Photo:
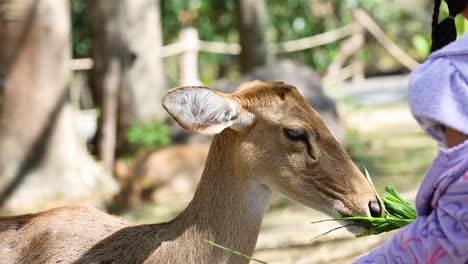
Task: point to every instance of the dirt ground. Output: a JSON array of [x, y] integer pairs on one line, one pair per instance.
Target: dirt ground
[[286, 237]]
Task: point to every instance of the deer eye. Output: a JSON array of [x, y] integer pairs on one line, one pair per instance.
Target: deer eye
[[295, 134]]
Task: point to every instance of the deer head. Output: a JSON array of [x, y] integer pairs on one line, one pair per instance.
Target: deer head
[[282, 142]]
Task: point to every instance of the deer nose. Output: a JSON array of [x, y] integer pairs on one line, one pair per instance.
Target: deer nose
[[375, 209]]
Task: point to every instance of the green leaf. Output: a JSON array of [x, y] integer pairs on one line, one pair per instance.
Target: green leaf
[[211, 243]]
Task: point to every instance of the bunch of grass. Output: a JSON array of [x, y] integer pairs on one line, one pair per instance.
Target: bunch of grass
[[398, 213]]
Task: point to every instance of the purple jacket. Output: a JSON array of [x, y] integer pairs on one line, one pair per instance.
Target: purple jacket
[[438, 96], [440, 233], [438, 90]]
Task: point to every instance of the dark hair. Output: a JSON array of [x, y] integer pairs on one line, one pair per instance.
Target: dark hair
[[446, 31]]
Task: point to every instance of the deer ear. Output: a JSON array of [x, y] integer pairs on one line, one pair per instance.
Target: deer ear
[[202, 110]]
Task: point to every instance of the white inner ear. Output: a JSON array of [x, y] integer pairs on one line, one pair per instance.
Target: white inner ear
[[245, 119], [199, 109]]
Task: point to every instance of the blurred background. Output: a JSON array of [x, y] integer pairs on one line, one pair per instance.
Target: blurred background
[[81, 83]]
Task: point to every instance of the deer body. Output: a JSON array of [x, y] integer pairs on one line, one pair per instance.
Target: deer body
[[255, 155], [87, 235]]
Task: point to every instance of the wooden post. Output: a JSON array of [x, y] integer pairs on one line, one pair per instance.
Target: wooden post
[[111, 87], [189, 59], [144, 81], [107, 71]]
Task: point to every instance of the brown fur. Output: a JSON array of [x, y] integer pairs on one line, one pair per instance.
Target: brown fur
[[242, 169], [152, 173]]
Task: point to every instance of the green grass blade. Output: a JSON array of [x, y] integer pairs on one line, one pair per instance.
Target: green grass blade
[[329, 231], [399, 205], [327, 220], [379, 199], [391, 190], [211, 243], [400, 222]]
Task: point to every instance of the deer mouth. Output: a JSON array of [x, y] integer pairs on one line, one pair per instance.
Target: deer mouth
[[350, 225], [353, 227]]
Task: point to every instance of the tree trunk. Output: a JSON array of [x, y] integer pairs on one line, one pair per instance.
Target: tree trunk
[[128, 31], [106, 81], [252, 21], [144, 77], [43, 163]]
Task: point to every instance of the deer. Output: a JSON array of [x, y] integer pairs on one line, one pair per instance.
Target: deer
[[267, 138], [166, 174]]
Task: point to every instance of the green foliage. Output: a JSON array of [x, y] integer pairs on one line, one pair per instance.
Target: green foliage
[[422, 45], [358, 149], [293, 19], [148, 136], [299, 18], [81, 39], [215, 21], [462, 25]]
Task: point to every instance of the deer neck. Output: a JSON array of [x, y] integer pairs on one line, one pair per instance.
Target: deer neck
[[229, 204]]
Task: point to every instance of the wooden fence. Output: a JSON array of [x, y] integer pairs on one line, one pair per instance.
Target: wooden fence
[[353, 36]]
